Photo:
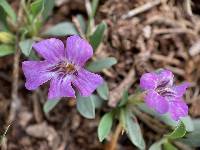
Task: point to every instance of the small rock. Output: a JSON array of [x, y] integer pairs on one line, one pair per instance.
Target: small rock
[[24, 118], [45, 131]]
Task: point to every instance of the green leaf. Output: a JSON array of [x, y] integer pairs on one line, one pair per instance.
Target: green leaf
[[122, 117], [169, 146], [8, 9], [97, 101], [192, 138], [105, 126], [167, 119], [94, 7], [99, 65], [37, 7], [97, 37], [188, 123], [49, 105], [133, 130], [7, 37], [178, 132], [164, 118], [156, 145], [26, 46], [82, 23], [48, 8], [6, 50], [103, 91], [86, 106], [124, 99], [91, 8], [3, 22], [61, 29]]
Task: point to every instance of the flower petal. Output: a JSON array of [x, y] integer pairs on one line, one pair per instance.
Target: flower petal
[[178, 108], [157, 102], [86, 82], [165, 78], [51, 49], [148, 81], [36, 73], [181, 89], [60, 86], [78, 50]]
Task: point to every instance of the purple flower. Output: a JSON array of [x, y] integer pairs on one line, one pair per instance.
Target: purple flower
[[162, 95], [63, 66]]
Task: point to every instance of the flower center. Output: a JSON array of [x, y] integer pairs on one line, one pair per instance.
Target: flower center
[[64, 68], [165, 91], [67, 68]]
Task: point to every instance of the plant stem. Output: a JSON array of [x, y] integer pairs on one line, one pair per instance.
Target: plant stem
[[136, 99], [115, 137], [16, 102]]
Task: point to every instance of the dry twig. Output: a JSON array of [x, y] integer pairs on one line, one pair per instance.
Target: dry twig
[[182, 146], [117, 93], [37, 108], [142, 9], [168, 59], [15, 103], [113, 143], [155, 125], [174, 31], [176, 70]]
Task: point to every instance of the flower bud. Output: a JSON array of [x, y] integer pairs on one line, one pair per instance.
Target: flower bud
[[6, 37]]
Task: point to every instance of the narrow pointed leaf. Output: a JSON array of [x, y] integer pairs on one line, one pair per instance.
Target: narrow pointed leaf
[[26, 46], [36, 7], [49, 105], [94, 7], [124, 99], [97, 37], [187, 121], [105, 126], [98, 101], [82, 23], [6, 50], [48, 8], [169, 146], [61, 29], [103, 91], [3, 21], [99, 65], [157, 145], [8, 9], [122, 117], [192, 138], [167, 119], [86, 106], [133, 130], [178, 132]]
